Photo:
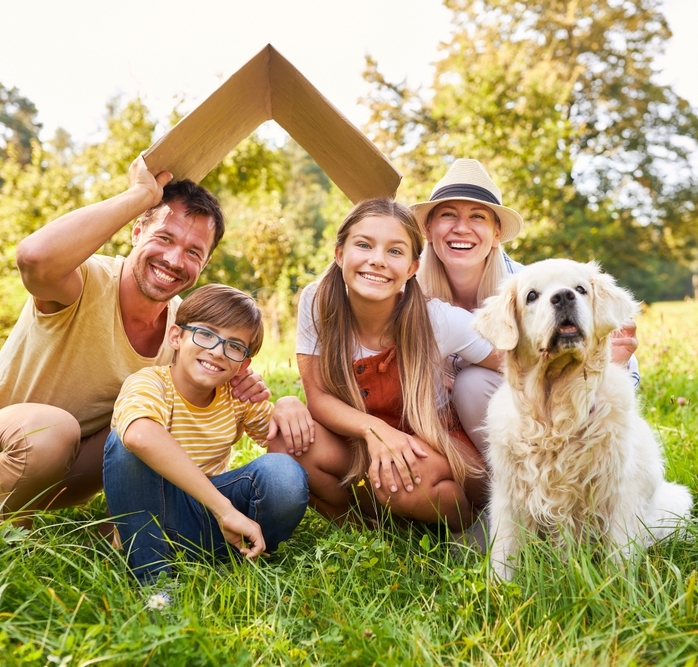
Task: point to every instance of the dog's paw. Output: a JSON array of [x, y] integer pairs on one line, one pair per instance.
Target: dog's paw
[[502, 566]]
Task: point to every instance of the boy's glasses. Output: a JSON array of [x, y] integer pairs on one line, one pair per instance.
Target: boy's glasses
[[208, 340]]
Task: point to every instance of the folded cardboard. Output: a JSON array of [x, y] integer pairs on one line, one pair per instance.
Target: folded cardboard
[[269, 87]]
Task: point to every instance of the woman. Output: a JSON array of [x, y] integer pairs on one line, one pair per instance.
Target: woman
[[465, 224], [370, 353]]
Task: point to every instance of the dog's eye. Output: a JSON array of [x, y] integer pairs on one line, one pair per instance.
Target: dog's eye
[[580, 289], [531, 296]]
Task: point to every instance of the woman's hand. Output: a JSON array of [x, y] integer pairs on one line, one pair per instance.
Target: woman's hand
[[387, 447], [243, 533], [292, 420], [624, 342]]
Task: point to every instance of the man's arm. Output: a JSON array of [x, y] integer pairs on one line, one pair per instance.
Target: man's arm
[[49, 259]]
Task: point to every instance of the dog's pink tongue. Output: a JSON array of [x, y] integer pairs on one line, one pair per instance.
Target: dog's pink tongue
[[568, 328]]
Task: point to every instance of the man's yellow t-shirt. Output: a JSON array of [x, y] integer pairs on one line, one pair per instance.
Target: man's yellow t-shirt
[[77, 358]]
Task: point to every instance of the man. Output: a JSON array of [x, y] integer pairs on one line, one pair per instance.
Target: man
[[91, 322]]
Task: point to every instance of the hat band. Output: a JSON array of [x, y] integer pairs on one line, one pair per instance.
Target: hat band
[[465, 190]]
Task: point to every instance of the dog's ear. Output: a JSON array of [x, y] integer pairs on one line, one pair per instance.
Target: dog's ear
[[612, 304], [496, 320]]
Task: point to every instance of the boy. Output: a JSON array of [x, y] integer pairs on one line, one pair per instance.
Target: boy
[[166, 459]]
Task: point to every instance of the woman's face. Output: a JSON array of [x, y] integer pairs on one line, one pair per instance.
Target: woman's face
[[376, 258], [463, 233]]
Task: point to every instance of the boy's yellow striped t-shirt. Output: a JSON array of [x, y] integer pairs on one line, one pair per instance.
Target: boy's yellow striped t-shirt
[[206, 434]]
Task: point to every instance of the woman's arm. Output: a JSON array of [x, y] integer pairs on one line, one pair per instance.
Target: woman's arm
[[493, 361], [454, 334], [156, 447], [386, 446]]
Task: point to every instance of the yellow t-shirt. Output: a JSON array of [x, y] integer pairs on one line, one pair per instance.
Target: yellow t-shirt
[[206, 434], [77, 358]]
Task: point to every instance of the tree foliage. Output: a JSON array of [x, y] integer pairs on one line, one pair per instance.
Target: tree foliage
[[34, 193], [277, 203], [558, 99], [18, 124]]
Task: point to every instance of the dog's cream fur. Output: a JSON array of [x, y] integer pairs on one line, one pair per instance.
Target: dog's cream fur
[[570, 455]]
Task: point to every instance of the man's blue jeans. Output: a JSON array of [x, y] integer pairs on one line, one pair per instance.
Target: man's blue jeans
[[153, 515]]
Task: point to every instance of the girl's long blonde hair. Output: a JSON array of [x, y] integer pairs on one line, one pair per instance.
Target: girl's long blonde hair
[[410, 329]]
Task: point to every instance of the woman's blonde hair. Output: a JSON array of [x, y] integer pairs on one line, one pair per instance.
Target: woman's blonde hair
[[409, 328], [434, 281]]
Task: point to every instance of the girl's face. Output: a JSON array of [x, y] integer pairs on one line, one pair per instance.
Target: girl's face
[[376, 259], [463, 233]]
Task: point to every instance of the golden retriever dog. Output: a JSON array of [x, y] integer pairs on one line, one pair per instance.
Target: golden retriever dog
[[570, 455]]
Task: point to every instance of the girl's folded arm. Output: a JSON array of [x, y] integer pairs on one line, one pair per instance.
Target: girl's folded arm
[[386, 445]]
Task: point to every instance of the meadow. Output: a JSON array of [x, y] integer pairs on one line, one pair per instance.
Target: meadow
[[361, 595]]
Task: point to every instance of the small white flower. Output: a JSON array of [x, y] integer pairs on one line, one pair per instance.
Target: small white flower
[[158, 601]]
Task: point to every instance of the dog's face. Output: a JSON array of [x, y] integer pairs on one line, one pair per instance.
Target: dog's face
[[553, 307]]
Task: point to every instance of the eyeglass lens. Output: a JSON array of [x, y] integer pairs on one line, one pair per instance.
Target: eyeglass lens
[[208, 340]]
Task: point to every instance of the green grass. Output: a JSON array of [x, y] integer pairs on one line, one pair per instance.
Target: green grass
[[362, 596]]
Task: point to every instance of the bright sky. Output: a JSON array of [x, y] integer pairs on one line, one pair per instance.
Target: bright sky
[[70, 57]]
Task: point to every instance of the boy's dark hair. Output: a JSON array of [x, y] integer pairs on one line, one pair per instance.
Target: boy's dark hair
[[197, 200], [223, 306]]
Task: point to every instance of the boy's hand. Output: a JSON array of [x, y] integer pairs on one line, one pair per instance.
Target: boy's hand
[[293, 422], [243, 533], [249, 386]]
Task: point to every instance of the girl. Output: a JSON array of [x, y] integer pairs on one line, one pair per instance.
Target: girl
[[465, 225], [370, 352]]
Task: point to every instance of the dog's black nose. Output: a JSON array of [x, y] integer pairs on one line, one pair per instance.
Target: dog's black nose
[[562, 298]]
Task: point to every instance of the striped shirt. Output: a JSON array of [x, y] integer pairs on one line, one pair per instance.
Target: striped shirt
[[206, 434]]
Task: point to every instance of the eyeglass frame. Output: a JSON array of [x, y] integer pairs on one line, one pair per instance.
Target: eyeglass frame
[[221, 341]]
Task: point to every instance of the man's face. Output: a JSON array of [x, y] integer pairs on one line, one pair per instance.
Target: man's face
[[170, 253]]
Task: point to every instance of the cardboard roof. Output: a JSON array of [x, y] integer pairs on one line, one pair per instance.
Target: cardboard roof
[[269, 87]]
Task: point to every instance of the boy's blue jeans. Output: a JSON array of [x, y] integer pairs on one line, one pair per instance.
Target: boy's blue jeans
[[152, 514]]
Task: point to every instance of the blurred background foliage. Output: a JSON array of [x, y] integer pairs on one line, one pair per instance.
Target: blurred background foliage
[[556, 98]]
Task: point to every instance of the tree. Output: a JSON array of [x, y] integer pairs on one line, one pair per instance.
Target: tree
[[277, 206], [557, 98], [102, 167], [33, 194], [18, 124]]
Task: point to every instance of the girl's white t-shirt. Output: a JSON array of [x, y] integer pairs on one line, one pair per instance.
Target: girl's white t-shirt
[[452, 327]]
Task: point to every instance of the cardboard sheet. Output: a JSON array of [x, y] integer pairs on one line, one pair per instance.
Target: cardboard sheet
[[269, 87]]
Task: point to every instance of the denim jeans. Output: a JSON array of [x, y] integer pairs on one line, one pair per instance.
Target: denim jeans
[[153, 515]]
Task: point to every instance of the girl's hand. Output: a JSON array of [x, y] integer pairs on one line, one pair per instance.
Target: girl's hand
[[387, 447], [292, 420], [243, 533], [249, 386]]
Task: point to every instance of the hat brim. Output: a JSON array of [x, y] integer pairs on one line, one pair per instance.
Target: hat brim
[[511, 223]]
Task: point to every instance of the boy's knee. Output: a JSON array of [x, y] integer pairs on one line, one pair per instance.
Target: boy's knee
[[284, 477], [119, 461]]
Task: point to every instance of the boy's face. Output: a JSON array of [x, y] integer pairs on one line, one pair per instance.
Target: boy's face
[[198, 371]]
